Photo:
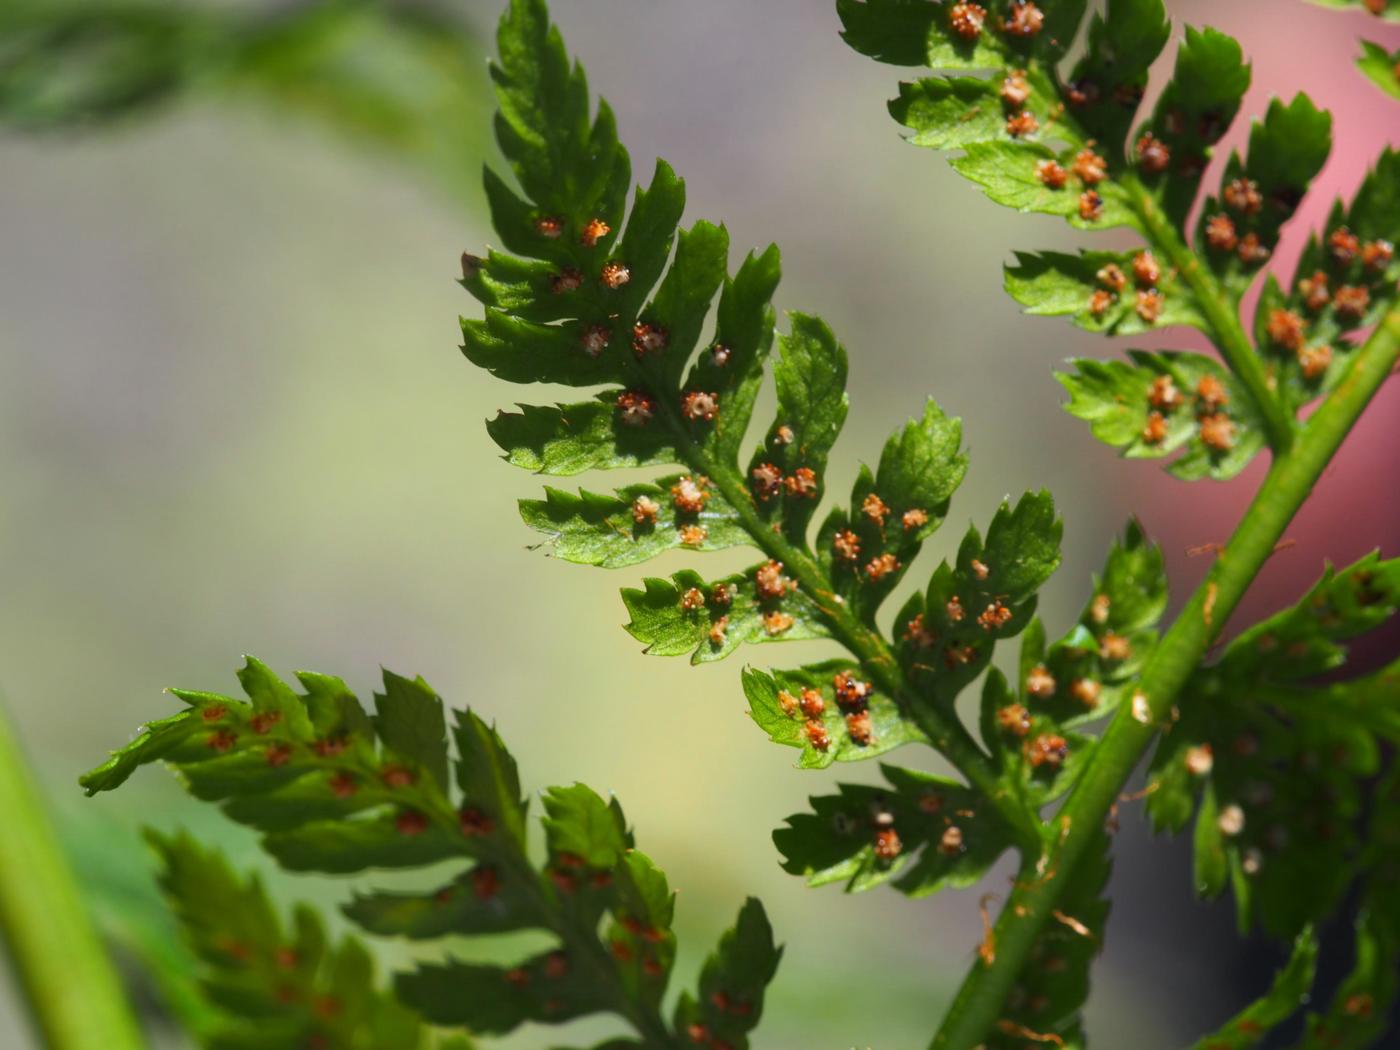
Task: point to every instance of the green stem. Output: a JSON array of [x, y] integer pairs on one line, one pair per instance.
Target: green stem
[[72, 990], [1220, 311], [1290, 481]]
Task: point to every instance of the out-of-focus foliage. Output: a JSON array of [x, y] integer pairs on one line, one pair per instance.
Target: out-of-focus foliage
[[1381, 66], [338, 790], [1288, 992], [402, 76], [1386, 9], [1281, 766], [277, 986]]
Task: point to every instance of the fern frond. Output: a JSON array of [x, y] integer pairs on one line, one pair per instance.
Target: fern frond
[[399, 78], [597, 296], [1040, 135], [1289, 991], [335, 789], [277, 985], [1389, 10], [1359, 1013], [1279, 765], [1381, 67]]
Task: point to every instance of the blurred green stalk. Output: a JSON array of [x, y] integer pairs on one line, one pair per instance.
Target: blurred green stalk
[[74, 995]]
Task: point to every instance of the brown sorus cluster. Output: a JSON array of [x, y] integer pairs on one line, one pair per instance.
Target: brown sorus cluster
[[1211, 394], [1015, 90], [1376, 255], [699, 406], [1155, 430], [1285, 330], [1051, 174], [474, 823], [1218, 433], [874, 508], [1025, 19], [801, 483], [770, 581], [1149, 305], [881, 566], [860, 728], [1021, 124], [775, 622], [1314, 361], [767, 481], [1014, 719], [1091, 168], [718, 630], [955, 656], [595, 339], [1315, 292], [1154, 156], [1242, 197], [1086, 691], [410, 822], [1048, 749], [649, 338], [593, 232], [966, 20], [916, 632], [1146, 271], [887, 844], [1199, 760], [1343, 245], [1112, 277], [850, 690], [1252, 251], [1163, 394], [846, 544], [1220, 233], [994, 617], [1040, 683], [1165, 398], [1217, 429], [690, 494], [853, 695], [566, 280], [615, 274], [1351, 302], [1114, 647]]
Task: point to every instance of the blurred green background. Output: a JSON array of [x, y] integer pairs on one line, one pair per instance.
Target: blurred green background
[[232, 419]]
